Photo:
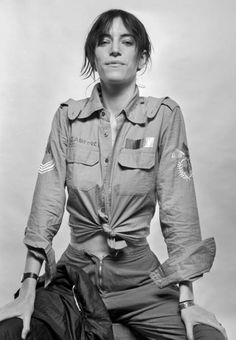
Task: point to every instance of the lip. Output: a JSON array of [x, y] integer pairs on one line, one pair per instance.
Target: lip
[[113, 63]]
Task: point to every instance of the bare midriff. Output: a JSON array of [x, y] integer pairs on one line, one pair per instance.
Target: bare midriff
[[96, 245]]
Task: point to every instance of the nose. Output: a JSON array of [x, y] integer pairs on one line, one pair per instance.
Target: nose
[[115, 54], [115, 49]]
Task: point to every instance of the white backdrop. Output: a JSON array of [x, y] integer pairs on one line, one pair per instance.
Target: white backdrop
[[193, 62]]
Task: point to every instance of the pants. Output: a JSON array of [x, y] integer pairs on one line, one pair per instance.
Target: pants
[[11, 329], [129, 294], [132, 298]]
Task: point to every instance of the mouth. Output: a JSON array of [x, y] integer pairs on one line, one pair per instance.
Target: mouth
[[114, 63]]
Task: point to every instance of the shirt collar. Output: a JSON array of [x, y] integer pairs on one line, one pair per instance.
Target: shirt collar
[[134, 111]]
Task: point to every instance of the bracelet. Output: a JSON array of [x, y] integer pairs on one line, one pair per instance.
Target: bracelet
[[29, 275], [185, 304]]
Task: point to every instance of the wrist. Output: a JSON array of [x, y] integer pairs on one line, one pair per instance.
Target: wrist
[[29, 275], [28, 286], [185, 291], [185, 304], [28, 290]]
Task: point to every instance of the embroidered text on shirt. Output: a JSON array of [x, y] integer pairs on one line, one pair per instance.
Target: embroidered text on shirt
[[74, 140]]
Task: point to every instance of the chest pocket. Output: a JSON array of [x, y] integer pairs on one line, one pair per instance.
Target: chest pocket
[[82, 168], [136, 172]]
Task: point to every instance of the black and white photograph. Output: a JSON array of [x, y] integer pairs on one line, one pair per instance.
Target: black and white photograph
[[118, 186]]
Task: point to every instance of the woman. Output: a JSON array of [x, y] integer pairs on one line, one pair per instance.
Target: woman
[[118, 154]]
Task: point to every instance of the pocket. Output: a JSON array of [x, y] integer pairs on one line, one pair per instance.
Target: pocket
[[83, 170], [136, 170]]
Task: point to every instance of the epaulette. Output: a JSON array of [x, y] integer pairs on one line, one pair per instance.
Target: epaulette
[[63, 105], [170, 103], [74, 107], [153, 105]]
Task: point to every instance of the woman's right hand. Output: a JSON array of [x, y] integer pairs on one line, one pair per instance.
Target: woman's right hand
[[22, 307]]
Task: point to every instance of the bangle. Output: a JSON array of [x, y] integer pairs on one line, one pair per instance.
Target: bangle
[[185, 304], [29, 275]]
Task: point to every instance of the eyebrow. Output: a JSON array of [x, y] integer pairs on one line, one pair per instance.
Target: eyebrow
[[125, 35]]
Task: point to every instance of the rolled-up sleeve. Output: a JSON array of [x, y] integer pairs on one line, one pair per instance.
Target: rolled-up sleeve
[[49, 196], [189, 255]]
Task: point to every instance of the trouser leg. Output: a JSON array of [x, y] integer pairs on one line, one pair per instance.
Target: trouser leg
[[148, 311], [153, 314], [205, 332], [11, 329]]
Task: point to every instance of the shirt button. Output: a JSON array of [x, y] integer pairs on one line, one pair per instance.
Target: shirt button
[[106, 134], [106, 160]]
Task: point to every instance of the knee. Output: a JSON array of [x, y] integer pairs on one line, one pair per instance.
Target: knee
[[206, 332], [10, 329]]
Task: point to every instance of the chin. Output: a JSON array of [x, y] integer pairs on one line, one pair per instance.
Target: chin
[[117, 80]]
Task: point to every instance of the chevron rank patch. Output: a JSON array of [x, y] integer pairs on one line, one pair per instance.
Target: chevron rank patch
[[46, 167]]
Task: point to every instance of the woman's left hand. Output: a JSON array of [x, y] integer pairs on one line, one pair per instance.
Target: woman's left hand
[[194, 315]]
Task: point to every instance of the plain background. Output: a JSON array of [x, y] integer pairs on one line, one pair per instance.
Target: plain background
[[193, 62]]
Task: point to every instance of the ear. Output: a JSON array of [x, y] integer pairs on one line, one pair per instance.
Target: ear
[[142, 60]]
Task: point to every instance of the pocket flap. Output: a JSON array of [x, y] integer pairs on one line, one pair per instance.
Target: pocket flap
[[136, 159], [88, 157]]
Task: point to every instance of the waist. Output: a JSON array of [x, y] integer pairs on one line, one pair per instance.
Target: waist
[[97, 244]]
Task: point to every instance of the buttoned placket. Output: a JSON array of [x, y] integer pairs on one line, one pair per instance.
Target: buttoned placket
[[108, 152], [105, 149]]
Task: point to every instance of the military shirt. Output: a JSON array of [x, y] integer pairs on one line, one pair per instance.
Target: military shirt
[[114, 188]]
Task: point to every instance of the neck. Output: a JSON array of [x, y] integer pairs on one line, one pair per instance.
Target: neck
[[115, 98]]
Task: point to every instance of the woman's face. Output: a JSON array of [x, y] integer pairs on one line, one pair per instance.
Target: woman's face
[[116, 56]]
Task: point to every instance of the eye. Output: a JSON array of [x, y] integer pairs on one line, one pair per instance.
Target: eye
[[128, 42], [103, 41]]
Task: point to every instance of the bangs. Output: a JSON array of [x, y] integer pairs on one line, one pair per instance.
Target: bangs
[[104, 25]]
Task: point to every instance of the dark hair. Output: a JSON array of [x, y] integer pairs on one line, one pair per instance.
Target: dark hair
[[101, 26]]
